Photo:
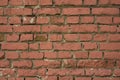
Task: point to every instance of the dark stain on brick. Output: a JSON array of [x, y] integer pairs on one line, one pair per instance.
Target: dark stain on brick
[[1, 37], [41, 38]]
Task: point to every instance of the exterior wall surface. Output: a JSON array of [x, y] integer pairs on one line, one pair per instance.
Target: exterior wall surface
[[59, 39]]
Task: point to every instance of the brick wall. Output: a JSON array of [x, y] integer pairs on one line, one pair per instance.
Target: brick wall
[[59, 39]]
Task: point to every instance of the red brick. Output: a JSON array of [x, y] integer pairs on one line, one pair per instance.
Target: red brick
[[10, 72], [85, 37], [31, 55], [15, 2], [42, 20], [55, 28], [83, 78], [5, 29], [1, 11], [22, 64], [50, 55], [15, 78], [64, 55], [30, 28], [46, 45], [27, 72], [33, 46], [14, 20], [108, 28], [3, 2], [12, 55], [57, 20], [105, 11], [71, 37], [103, 2], [45, 2], [68, 2], [104, 20], [87, 19], [12, 37], [81, 55], [75, 72], [26, 37], [30, 2], [18, 11], [103, 72], [116, 72], [66, 78], [106, 78], [114, 37], [42, 71], [72, 19], [57, 72], [4, 63], [116, 20], [83, 28], [3, 78], [111, 55], [63, 72], [90, 2], [67, 46], [118, 64], [90, 46], [55, 37], [100, 37], [115, 2], [50, 11], [109, 46], [3, 20], [14, 46], [75, 11], [2, 54], [49, 64], [95, 54]]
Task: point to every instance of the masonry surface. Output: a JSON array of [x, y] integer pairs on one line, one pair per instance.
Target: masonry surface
[[59, 39]]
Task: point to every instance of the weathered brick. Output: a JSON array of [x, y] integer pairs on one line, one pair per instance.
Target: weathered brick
[[41, 37]]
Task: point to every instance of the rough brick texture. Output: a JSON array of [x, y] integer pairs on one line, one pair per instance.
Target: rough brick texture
[[59, 39]]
